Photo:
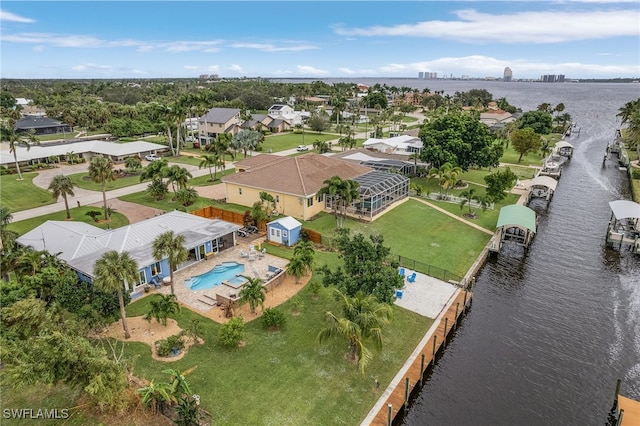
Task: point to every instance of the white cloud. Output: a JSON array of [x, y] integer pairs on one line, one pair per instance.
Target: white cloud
[[93, 67], [190, 67], [236, 68], [346, 70], [12, 17], [309, 70], [529, 27], [213, 68], [268, 47]]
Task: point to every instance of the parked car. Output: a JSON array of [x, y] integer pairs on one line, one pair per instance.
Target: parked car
[[151, 157], [302, 148]]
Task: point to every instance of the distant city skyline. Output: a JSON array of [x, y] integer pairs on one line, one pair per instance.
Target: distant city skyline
[[285, 39]]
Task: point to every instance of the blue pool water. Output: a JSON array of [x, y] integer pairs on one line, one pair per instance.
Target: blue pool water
[[226, 271]]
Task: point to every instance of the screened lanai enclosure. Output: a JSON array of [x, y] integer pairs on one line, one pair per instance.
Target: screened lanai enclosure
[[378, 190]]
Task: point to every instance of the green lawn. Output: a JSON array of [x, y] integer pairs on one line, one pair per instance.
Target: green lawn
[[285, 377], [511, 156], [82, 180], [419, 232], [77, 214], [487, 218], [283, 141], [18, 195]]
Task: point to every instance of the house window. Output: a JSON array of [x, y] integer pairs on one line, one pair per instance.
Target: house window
[[240, 191], [277, 233], [277, 198], [320, 197], [156, 269], [284, 234], [309, 201], [142, 278]]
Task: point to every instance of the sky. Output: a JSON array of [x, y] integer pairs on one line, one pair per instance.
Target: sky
[[305, 39]]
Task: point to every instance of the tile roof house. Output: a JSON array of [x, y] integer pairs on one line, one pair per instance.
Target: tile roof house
[[81, 244], [292, 181], [217, 121]]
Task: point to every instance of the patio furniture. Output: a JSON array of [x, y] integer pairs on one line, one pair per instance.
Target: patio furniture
[[399, 294], [243, 253], [262, 252], [402, 272], [252, 255], [412, 278], [155, 280]]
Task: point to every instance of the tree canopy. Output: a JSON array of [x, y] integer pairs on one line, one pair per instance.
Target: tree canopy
[[461, 140], [541, 122]]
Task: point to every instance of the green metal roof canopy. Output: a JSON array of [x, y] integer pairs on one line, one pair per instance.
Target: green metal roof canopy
[[517, 215]]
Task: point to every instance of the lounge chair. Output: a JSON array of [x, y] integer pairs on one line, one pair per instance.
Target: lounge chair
[[412, 278], [402, 272], [243, 253], [155, 280], [262, 252], [399, 294]]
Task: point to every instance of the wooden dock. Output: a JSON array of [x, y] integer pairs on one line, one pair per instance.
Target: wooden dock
[[401, 392]]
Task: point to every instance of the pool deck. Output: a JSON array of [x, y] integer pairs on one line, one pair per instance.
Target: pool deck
[[253, 268]]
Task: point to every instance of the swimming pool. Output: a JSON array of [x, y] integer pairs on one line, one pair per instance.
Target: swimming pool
[[225, 271]]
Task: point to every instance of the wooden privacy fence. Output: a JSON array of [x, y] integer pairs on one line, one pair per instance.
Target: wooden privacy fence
[[211, 212]]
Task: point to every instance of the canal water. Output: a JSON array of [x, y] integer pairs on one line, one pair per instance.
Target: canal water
[[550, 330]]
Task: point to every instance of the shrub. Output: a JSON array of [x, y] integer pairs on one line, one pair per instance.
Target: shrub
[[163, 348], [232, 332], [176, 341], [635, 174], [4, 171], [273, 318]]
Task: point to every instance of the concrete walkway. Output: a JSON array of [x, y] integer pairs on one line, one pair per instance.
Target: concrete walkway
[[458, 218]]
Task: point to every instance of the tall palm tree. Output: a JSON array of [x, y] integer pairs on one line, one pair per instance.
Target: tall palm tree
[[211, 160], [62, 185], [363, 320], [305, 252], [177, 176], [101, 171], [331, 188], [111, 271], [8, 134], [468, 196], [170, 246], [253, 293]]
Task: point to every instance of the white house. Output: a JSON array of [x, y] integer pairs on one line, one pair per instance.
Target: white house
[[280, 109], [401, 145]]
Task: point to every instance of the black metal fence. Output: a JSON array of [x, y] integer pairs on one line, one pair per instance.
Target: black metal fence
[[425, 268]]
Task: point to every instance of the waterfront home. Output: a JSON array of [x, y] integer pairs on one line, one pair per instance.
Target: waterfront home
[[400, 145], [217, 121], [80, 245]]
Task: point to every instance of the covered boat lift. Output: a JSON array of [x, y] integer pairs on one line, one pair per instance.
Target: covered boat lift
[[516, 223], [564, 149], [542, 187], [624, 225]]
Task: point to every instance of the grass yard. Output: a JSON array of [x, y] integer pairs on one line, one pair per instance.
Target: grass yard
[[487, 219], [285, 377], [511, 156], [78, 214], [82, 180], [419, 232], [477, 175], [18, 195], [167, 205], [284, 141]]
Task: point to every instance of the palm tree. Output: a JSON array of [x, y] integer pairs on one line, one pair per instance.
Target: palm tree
[[363, 320], [177, 176], [305, 252], [111, 271], [212, 160], [253, 292], [62, 185], [101, 171], [331, 188], [160, 309], [467, 197], [171, 246], [156, 394], [296, 268], [8, 134]]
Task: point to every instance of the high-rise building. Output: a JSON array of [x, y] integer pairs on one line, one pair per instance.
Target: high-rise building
[[421, 75], [508, 74]]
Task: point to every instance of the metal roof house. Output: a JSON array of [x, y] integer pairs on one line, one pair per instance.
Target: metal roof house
[[516, 224], [80, 244], [41, 125]]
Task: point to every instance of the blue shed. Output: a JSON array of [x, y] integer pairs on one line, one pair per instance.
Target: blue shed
[[285, 231]]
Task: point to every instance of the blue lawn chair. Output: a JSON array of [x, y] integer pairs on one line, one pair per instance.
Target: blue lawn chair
[[402, 272], [399, 294], [412, 278], [156, 281]]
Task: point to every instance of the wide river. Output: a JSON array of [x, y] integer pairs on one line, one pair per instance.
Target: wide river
[[551, 330]]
